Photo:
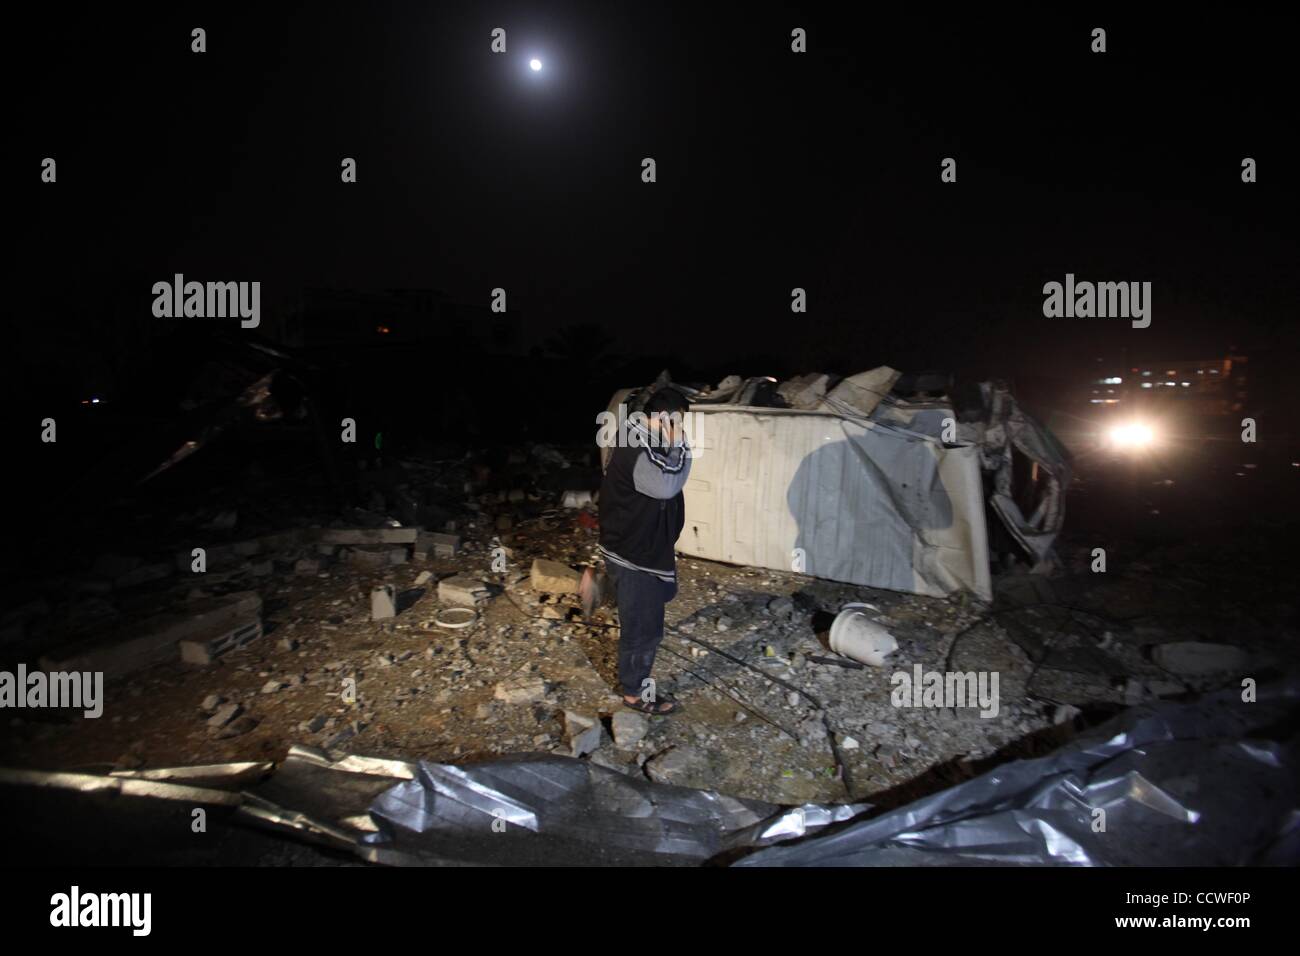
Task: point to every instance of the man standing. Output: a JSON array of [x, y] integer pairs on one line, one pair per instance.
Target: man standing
[[642, 512]]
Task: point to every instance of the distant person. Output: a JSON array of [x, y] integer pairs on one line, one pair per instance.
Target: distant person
[[642, 511]]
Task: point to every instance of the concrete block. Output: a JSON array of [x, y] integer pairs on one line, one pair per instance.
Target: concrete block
[[124, 649], [205, 650], [628, 727], [583, 732], [439, 544], [462, 590], [383, 602], [554, 578]]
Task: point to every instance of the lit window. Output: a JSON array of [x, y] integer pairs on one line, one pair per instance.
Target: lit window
[[1146, 384]]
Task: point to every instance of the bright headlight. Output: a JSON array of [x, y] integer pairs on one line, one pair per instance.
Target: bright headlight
[[1132, 435]]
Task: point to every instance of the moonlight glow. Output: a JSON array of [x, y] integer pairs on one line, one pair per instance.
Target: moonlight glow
[[535, 64]]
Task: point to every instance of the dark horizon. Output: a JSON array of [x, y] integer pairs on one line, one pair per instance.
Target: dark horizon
[[775, 171]]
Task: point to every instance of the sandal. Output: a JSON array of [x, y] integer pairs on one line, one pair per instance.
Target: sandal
[[662, 707]]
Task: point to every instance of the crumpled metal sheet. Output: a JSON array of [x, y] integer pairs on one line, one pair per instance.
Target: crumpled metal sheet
[[542, 808], [1212, 783], [1010, 427], [552, 810]]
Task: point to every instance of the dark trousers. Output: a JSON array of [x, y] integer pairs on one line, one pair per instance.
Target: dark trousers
[[641, 600]]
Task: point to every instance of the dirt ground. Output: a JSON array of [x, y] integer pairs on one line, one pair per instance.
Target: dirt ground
[[761, 717]]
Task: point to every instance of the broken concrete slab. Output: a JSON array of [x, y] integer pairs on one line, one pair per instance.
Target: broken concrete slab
[[204, 650], [224, 715], [462, 590], [440, 544], [521, 690], [584, 733], [125, 649], [628, 728], [553, 577], [369, 559]]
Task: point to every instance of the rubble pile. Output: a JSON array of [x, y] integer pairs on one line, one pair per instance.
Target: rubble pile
[[464, 640]]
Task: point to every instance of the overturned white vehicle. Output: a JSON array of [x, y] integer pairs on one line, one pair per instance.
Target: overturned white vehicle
[[862, 481]]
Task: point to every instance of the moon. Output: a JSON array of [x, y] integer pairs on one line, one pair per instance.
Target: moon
[[535, 64]]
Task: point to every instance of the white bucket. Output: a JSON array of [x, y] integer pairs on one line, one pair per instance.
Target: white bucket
[[855, 635]]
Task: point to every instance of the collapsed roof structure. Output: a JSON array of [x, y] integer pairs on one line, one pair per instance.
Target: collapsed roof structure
[[875, 479]]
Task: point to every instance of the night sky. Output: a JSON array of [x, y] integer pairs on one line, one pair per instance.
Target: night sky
[[775, 170]]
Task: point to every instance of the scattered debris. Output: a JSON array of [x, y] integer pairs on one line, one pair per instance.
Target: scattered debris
[[521, 690], [225, 715]]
